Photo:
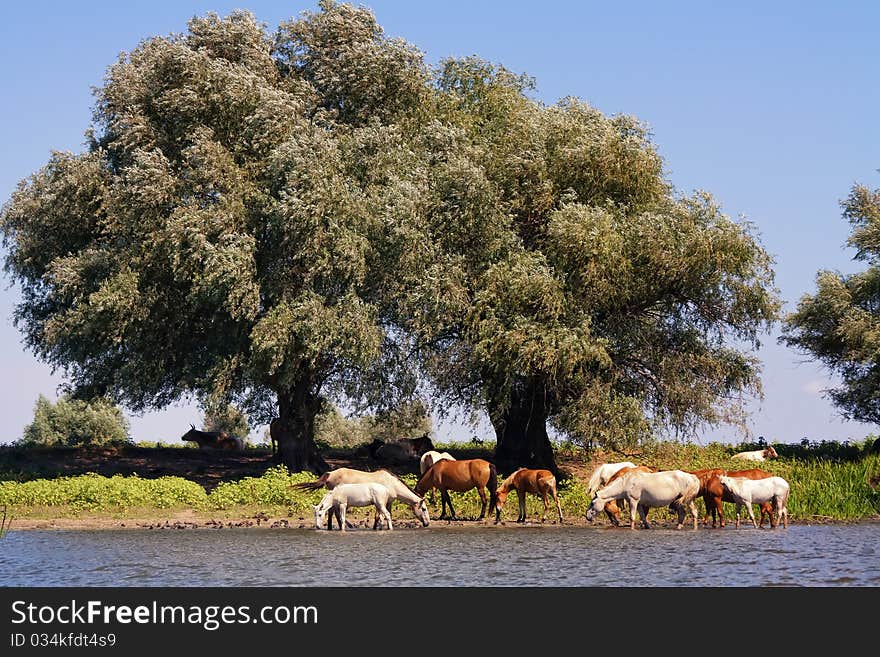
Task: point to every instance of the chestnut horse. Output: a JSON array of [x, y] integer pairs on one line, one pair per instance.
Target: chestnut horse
[[714, 495], [525, 480], [612, 509], [460, 476]]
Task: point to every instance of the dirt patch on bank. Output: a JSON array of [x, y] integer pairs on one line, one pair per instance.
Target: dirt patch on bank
[[205, 467]]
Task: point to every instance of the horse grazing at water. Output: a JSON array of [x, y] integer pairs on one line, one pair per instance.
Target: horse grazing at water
[[603, 473], [714, 494], [346, 495], [461, 476], [612, 509], [756, 455], [525, 480], [746, 492], [399, 490], [213, 439], [646, 490]]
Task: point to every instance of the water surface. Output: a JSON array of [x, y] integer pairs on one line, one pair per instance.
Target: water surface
[[466, 555]]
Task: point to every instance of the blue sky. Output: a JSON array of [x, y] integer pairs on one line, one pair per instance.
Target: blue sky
[[771, 107]]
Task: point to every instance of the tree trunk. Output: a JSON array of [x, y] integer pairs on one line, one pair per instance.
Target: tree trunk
[[521, 431], [296, 431]]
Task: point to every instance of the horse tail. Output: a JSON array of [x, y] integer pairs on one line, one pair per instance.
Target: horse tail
[[594, 482], [492, 485], [312, 485]]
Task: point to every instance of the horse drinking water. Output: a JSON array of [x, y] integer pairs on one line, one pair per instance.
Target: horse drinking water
[[461, 476], [646, 490], [399, 490], [346, 495], [525, 480]]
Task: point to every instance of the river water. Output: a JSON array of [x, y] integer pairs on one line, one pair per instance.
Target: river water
[[447, 555]]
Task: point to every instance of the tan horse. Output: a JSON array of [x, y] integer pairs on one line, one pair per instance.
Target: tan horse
[[525, 480], [757, 455], [460, 476]]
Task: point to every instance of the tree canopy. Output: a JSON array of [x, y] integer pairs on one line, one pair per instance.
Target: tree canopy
[[839, 324], [273, 219]]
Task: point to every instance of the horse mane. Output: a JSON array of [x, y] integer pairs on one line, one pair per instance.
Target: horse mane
[[509, 479], [399, 479], [593, 482]]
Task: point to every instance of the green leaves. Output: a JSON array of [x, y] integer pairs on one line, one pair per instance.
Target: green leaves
[[839, 324]]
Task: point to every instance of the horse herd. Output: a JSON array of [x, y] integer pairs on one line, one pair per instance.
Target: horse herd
[[611, 485]]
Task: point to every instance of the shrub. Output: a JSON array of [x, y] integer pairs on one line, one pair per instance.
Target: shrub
[[73, 422]]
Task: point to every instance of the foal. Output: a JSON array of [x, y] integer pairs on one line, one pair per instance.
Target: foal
[[524, 480]]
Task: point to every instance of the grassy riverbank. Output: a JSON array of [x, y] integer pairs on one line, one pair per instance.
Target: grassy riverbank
[[830, 482]]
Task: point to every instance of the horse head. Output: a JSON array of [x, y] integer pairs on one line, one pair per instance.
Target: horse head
[[420, 509], [770, 453], [501, 494], [596, 507]]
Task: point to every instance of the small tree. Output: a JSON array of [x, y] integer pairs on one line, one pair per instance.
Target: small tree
[[839, 325], [73, 422]]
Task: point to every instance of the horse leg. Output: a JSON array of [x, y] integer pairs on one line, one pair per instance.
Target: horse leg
[[484, 502], [679, 514], [643, 514], [546, 505], [444, 495], [752, 515], [521, 495], [558, 505], [342, 508]]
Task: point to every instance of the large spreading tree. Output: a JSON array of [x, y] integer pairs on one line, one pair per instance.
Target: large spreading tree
[[230, 232], [613, 307], [839, 324], [275, 219]]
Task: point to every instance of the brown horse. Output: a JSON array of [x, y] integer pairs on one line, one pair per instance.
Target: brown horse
[[714, 495], [525, 480], [213, 439], [612, 509], [460, 476]]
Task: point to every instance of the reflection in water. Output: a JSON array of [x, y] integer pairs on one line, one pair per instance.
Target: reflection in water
[[469, 555]]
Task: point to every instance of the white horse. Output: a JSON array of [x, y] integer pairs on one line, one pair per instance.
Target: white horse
[[745, 492], [603, 473], [346, 495], [646, 490], [399, 490], [756, 455], [430, 457]]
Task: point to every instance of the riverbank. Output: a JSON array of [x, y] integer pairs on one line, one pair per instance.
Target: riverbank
[[183, 488]]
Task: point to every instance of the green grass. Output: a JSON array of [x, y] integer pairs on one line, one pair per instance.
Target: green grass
[[828, 482]]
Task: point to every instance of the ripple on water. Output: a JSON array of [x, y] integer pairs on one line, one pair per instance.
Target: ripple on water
[[448, 556]]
